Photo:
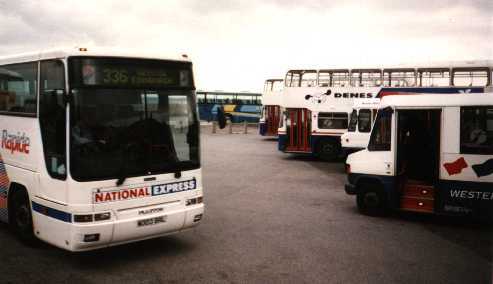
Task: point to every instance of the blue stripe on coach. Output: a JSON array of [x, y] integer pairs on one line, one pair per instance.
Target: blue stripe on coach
[[51, 212]]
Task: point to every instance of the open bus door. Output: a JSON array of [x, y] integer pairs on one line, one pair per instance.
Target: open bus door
[[418, 157], [298, 128], [273, 115]]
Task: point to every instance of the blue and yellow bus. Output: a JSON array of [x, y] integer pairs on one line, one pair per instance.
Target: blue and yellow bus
[[238, 106]]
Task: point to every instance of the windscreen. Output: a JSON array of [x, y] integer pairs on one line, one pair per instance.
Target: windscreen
[[380, 137], [131, 117]]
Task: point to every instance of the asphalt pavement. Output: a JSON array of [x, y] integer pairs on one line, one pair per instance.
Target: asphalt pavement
[[272, 217]]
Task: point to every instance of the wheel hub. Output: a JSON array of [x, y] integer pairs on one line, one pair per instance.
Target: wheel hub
[[371, 199], [22, 217]]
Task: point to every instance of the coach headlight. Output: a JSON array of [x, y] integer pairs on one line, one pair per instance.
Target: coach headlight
[[102, 216], [83, 218], [86, 218], [193, 201]]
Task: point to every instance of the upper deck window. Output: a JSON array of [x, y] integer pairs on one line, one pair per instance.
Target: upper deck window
[[340, 78], [434, 77], [324, 78], [309, 78], [277, 85], [293, 78], [18, 85], [399, 78], [470, 77], [366, 78]]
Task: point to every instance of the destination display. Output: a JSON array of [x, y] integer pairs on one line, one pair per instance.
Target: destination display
[[130, 73]]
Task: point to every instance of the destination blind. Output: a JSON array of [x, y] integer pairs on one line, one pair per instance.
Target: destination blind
[[130, 73]]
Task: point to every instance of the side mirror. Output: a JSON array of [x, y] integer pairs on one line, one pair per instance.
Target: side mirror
[[221, 118]]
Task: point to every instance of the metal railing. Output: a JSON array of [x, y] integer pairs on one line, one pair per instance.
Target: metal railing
[[241, 127]]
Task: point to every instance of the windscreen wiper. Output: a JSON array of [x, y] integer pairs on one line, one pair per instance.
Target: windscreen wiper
[[123, 169]]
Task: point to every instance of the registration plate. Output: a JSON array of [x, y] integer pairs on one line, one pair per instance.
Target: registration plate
[[151, 221]]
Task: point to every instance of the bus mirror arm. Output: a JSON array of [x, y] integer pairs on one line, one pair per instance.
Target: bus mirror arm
[[67, 98]]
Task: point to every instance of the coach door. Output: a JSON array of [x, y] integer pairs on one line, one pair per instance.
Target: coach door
[[418, 154], [298, 130], [273, 116]]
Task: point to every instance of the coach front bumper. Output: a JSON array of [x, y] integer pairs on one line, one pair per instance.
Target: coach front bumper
[[114, 232]]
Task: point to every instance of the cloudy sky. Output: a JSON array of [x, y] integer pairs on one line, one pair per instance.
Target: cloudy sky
[[235, 45]]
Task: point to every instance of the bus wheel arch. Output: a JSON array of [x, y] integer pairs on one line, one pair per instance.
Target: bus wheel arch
[[20, 214], [371, 198], [328, 148]]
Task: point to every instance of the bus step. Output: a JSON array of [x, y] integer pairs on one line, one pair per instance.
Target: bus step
[[418, 197]]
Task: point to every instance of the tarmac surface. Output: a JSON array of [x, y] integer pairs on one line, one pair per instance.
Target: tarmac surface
[[272, 217]]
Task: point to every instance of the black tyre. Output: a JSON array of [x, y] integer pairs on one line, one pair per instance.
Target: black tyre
[[328, 150], [371, 200], [20, 216]]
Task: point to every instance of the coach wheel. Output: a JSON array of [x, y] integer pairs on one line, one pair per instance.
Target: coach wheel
[[328, 150], [371, 201], [21, 218]]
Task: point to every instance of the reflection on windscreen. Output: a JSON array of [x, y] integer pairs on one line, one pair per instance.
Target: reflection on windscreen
[[118, 133]]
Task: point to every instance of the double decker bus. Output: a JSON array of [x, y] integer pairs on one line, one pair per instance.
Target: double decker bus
[[318, 102], [237, 106], [98, 148], [271, 107]]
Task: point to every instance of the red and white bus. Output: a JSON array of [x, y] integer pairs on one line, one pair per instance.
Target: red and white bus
[[271, 107]]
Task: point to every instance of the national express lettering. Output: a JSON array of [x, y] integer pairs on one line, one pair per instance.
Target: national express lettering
[[100, 196]]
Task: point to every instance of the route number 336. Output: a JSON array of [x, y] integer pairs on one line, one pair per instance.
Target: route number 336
[[115, 76]]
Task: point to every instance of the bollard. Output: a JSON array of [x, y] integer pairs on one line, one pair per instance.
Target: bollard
[[213, 127], [230, 127], [246, 127]]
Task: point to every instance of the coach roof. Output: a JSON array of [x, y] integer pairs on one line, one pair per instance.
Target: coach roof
[[80, 51]]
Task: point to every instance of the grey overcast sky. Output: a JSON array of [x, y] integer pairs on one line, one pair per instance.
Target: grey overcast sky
[[235, 45]]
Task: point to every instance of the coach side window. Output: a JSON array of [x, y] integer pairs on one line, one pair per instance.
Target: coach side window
[[52, 117], [18, 84], [476, 130], [333, 120]]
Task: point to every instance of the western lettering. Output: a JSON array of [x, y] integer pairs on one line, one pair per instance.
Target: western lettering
[[455, 193]]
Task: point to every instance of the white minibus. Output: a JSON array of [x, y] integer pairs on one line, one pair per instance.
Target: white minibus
[[429, 154], [359, 128]]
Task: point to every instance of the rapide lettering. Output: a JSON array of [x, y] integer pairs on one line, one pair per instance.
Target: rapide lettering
[[15, 142], [145, 191]]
